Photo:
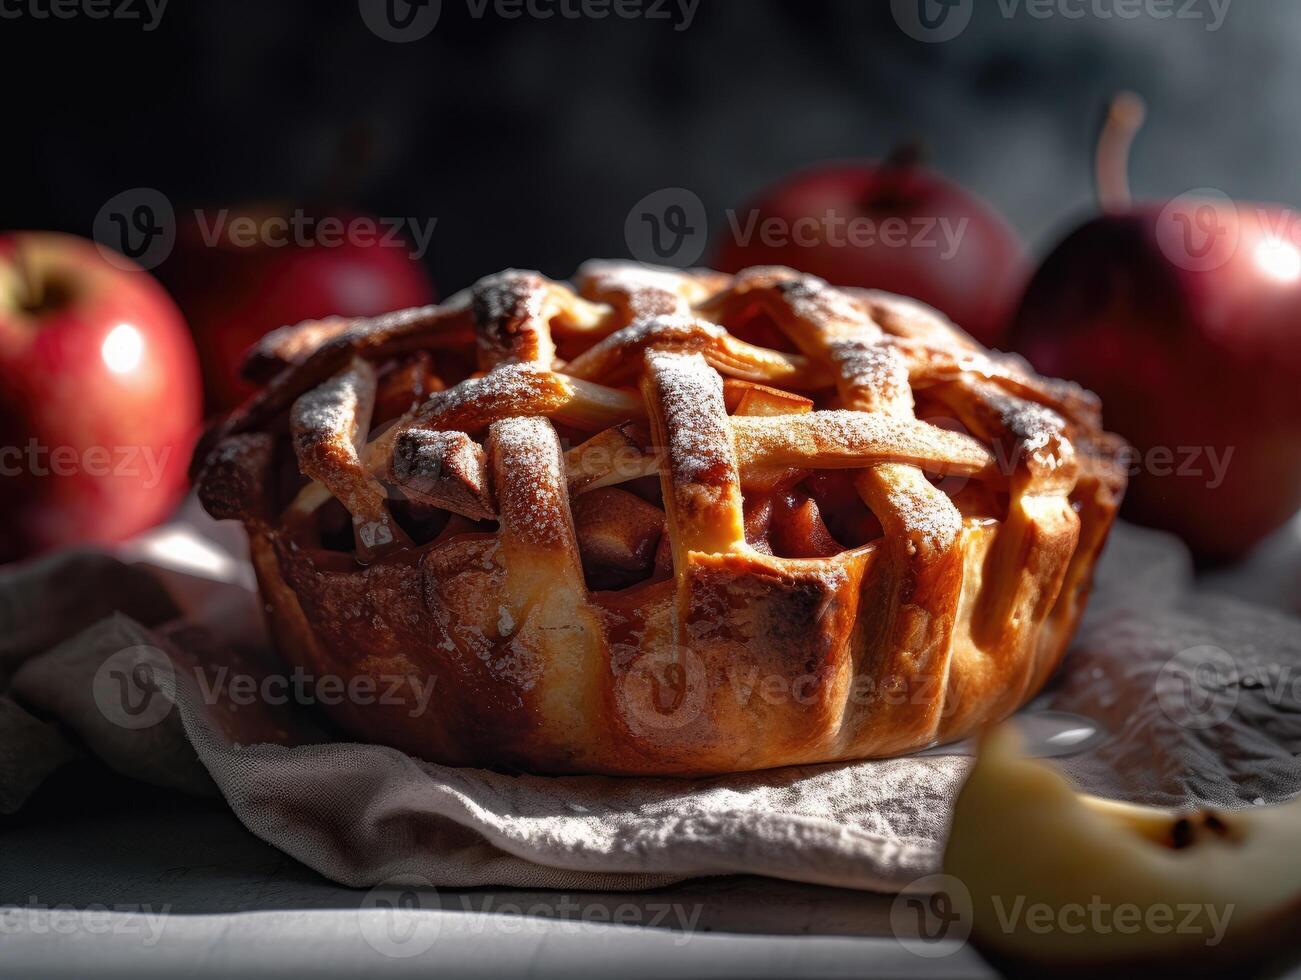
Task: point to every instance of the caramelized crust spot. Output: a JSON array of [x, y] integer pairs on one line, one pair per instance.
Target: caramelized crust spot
[[511, 310], [235, 475], [444, 469]]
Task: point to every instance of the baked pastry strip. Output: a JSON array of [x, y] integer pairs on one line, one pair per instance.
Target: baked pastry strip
[[922, 527], [524, 389], [619, 357], [444, 469], [547, 630], [637, 292], [1028, 563], [512, 318], [327, 425], [700, 479]]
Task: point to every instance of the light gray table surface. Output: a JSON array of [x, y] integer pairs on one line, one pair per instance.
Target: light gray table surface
[[98, 882]]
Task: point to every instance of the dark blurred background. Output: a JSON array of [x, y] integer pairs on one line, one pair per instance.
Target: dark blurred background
[[530, 139], [540, 133]]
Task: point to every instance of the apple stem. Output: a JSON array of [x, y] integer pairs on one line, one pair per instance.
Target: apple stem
[[30, 285], [1111, 163]]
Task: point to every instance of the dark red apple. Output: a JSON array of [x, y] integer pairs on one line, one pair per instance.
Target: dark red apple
[[240, 273], [891, 225], [99, 395], [1184, 317]]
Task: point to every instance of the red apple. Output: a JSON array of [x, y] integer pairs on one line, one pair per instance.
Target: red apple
[[99, 395], [892, 225], [1183, 316], [240, 273]]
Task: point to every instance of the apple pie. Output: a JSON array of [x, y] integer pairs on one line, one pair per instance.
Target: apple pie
[[663, 522]]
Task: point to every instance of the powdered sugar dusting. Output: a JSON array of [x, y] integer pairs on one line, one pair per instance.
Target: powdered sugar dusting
[[509, 390], [510, 318], [831, 309], [872, 376], [335, 410], [608, 356], [695, 418], [647, 290], [531, 487]]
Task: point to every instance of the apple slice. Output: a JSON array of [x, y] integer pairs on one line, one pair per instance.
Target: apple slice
[[751, 398], [1068, 884]]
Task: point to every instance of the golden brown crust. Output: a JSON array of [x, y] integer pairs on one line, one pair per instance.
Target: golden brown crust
[[573, 617]]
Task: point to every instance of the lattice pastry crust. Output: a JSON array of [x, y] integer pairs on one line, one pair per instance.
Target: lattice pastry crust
[[664, 522]]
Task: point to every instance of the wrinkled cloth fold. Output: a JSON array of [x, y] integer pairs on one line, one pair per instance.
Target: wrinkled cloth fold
[[96, 658]]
